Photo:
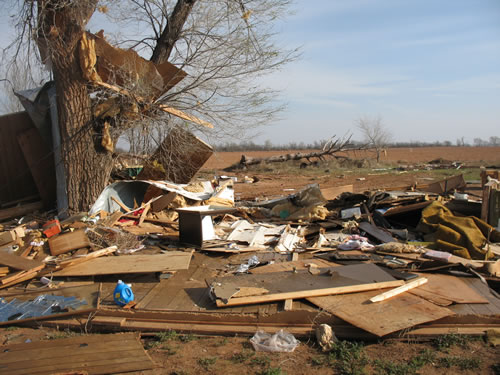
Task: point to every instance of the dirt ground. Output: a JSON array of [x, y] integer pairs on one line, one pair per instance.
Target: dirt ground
[[174, 353]]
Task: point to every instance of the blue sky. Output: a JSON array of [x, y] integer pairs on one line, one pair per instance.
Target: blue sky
[[430, 69]]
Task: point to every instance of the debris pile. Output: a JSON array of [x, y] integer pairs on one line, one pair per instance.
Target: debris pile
[[372, 264]]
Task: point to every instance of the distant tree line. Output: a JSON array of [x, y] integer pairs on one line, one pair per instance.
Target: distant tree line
[[319, 144]]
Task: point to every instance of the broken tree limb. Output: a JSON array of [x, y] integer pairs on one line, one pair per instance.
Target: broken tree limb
[[331, 148], [163, 107]]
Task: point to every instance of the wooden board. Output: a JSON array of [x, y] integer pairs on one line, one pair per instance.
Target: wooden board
[[384, 317], [99, 354], [173, 260], [19, 263], [444, 287]]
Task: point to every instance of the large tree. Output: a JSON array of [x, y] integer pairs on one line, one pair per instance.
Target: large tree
[[224, 46]]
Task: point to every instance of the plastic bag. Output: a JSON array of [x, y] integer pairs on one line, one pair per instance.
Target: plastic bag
[[281, 341]]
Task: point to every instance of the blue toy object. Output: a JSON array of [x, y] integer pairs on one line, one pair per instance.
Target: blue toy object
[[123, 293]]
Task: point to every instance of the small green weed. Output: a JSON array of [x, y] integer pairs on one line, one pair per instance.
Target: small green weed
[[272, 371], [348, 358], [241, 357], [61, 334], [263, 361], [222, 342], [425, 357], [461, 363], [318, 361], [187, 338], [167, 335], [384, 367], [445, 342], [11, 328], [208, 362]]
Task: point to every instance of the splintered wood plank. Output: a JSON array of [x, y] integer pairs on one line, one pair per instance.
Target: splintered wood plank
[[19, 263], [99, 354], [383, 317], [174, 260], [445, 287]]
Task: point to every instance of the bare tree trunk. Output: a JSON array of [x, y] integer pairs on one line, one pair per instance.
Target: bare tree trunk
[[87, 165]]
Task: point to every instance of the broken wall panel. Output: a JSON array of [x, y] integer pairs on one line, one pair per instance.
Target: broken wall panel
[[41, 164], [178, 159]]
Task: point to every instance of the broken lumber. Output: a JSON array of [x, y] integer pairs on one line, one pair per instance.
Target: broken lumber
[[403, 288], [96, 254]]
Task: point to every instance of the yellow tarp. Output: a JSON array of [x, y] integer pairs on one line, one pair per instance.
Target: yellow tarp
[[462, 236]]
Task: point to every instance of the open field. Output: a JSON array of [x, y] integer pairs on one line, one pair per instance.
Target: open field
[[284, 178]]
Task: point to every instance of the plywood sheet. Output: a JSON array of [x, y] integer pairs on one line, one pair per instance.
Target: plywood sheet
[[444, 287], [99, 354], [384, 317], [300, 283], [172, 261], [289, 266]]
